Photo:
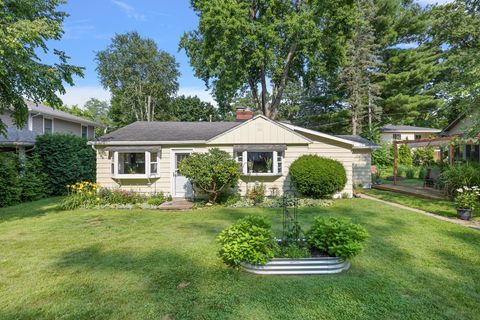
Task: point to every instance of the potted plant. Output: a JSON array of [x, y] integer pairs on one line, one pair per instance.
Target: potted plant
[[269, 163], [466, 201], [250, 166]]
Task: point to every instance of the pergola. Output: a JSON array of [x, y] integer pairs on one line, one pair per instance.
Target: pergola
[[422, 143]]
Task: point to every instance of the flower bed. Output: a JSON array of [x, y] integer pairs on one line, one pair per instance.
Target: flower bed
[[326, 248], [90, 195]]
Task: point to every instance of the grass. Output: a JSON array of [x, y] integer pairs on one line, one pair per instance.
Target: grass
[[145, 264], [444, 208]]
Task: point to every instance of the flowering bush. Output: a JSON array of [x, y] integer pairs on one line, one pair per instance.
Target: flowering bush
[[467, 197]]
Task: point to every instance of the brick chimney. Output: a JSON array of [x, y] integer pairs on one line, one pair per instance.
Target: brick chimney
[[244, 114]]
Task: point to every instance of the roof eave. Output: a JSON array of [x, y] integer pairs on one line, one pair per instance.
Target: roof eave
[[143, 143]]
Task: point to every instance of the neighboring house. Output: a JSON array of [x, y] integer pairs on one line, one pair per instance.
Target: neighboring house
[[470, 149], [390, 133], [42, 119], [144, 156]]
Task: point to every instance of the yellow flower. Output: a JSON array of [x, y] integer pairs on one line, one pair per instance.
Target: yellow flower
[[98, 199]]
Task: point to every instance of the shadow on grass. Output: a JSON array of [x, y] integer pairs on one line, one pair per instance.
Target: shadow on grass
[[30, 209]]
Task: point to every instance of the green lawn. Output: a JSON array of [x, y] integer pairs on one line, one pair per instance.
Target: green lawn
[[142, 264], [444, 208]]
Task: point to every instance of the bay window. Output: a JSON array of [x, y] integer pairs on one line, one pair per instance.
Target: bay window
[[260, 160], [134, 164]]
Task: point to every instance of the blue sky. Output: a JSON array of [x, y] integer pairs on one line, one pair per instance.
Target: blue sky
[[92, 23]]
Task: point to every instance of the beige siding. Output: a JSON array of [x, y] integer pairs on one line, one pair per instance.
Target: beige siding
[[260, 131], [362, 168], [388, 137], [463, 125], [91, 132], [67, 127]]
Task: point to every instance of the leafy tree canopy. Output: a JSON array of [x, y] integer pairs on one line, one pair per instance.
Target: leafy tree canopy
[[186, 108], [141, 78], [26, 27]]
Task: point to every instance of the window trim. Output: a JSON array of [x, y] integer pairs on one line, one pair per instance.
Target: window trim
[[244, 164], [395, 135], [43, 126], [146, 175]]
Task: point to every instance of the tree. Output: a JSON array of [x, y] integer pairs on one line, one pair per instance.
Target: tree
[[26, 27], [141, 78], [361, 64], [98, 111], [193, 109], [246, 45], [212, 172]]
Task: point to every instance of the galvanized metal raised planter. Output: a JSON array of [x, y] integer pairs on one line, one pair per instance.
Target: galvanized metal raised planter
[[316, 265]]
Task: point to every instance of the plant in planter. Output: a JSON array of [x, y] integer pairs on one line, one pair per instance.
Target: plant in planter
[[466, 201], [269, 164]]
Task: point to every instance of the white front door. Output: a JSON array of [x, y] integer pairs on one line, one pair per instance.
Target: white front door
[[182, 188]]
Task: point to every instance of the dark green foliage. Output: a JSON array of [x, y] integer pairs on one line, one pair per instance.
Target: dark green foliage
[[119, 196], [248, 240], [211, 172], [383, 156], [337, 237], [28, 28], [410, 172], [186, 108], [10, 191], [460, 175], [66, 159], [317, 177], [134, 70], [405, 155], [33, 181], [423, 156]]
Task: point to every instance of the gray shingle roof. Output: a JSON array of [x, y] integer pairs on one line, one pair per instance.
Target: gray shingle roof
[[169, 131], [17, 136], [33, 107], [358, 139], [402, 128]]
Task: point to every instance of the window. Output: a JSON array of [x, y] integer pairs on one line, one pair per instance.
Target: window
[[47, 125], [418, 136], [131, 163], [135, 164], [260, 162], [84, 132], [473, 152], [397, 136], [153, 163]]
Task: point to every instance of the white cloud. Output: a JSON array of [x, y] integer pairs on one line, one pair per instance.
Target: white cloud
[[129, 10], [80, 95], [203, 94]]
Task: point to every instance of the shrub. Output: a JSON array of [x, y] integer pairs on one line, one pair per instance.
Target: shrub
[[317, 177], [66, 159], [33, 182], [405, 155], [423, 156], [242, 203], [119, 196], [10, 190], [211, 172], [458, 176], [257, 193], [339, 238], [82, 195], [467, 198], [410, 172], [157, 199], [383, 156], [422, 172], [248, 240]]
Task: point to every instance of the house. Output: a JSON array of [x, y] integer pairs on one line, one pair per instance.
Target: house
[[144, 156], [469, 148], [42, 119], [390, 133]]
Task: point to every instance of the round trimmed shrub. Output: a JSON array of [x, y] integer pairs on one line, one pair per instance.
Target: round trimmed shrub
[[317, 177]]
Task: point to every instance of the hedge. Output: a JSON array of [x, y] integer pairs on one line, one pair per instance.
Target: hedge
[[66, 159], [317, 177]]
